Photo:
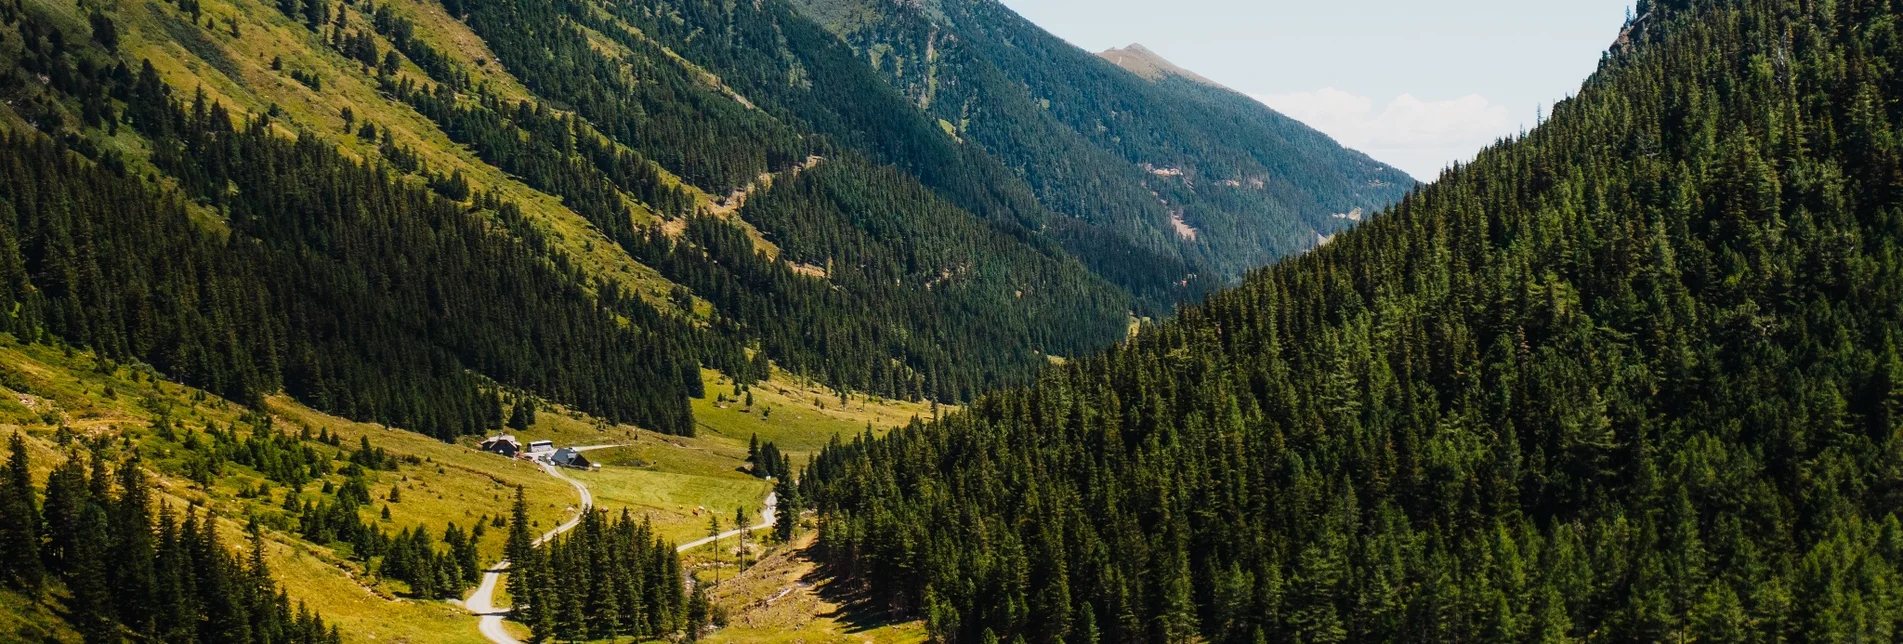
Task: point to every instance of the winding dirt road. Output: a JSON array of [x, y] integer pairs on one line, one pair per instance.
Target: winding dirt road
[[482, 602]]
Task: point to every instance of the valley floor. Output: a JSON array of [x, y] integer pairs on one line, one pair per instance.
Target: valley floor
[[676, 482]]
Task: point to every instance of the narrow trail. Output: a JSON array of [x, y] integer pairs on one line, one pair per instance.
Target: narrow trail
[[736, 200], [482, 602], [766, 521], [591, 448]]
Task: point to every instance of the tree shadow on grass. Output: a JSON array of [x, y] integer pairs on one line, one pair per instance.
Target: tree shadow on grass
[[858, 610]]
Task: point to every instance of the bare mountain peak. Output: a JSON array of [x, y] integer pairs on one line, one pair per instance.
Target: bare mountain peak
[[1139, 60]]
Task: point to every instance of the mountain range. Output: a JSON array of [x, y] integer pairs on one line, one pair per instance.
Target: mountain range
[[1004, 340]]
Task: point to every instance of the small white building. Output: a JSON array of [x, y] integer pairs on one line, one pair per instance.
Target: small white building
[[541, 447]]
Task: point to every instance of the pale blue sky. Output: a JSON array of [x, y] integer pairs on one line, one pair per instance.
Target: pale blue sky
[[1418, 84]]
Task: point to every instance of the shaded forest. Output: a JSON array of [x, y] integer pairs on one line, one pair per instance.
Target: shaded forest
[[1632, 377]]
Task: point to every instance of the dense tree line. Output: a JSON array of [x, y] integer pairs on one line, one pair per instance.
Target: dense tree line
[[556, 154], [338, 283], [528, 140], [402, 35], [1632, 377], [339, 520], [610, 577], [314, 13], [279, 457], [131, 574]]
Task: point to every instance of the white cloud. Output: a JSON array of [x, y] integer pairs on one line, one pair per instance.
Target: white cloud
[[1420, 137]]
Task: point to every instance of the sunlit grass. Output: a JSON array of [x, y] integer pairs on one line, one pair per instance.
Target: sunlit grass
[[781, 600], [798, 416]]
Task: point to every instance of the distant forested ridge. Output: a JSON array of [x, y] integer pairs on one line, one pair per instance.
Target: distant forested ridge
[[1171, 166], [1634, 376]]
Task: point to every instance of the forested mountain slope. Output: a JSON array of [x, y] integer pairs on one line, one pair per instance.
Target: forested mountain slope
[[396, 211], [1632, 377], [793, 69], [940, 278], [729, 184], [1173, 165]]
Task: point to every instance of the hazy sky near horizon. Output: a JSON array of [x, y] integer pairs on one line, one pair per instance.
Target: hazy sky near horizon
[[1419, 84]]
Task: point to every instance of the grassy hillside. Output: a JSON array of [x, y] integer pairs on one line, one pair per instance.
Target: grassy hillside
[[234, 62], [786, 599], [72, 404], [795, 414]]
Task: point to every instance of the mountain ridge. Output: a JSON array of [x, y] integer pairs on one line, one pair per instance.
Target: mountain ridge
[[1140, 60], [1090, 137]]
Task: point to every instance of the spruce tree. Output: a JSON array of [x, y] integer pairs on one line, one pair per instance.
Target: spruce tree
[[740, 522], [20, 521], [88, 577], [67, 498], [524, 566], [786, 511], [133, 578], [699, 613]]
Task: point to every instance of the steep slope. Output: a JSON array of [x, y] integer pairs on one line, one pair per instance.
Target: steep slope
[[584, 181], [791, 68], [1632, 377], [328, 280], [1174, 165], [920, 296]]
